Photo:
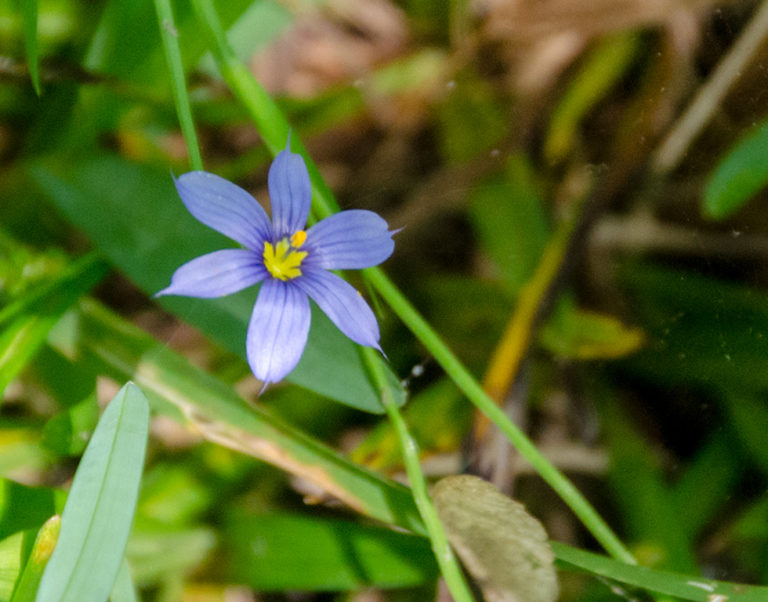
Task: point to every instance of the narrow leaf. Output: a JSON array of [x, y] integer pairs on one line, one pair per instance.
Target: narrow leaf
[[739, 176], [32, 317], [42, 549], [687, 587], [220, 415], [99, 511]]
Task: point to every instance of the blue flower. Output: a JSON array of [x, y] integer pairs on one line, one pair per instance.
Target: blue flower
[[291, 263]]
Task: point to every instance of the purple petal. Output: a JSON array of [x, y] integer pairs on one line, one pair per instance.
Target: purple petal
[[289, 192], [225, 207], [342, 304], [278, 330], [349, 240], [216, 274]]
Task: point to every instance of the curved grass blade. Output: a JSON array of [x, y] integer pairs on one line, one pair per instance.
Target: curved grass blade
[[170, 37], [41, 552], [687, 587], [125, 351], [33, 316], [99, 511]]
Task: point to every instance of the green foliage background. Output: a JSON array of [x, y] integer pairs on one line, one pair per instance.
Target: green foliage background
[[588, 235]]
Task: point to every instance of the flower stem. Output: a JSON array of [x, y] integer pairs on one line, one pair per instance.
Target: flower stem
[[446, 559], [170, 38], [475, 393], [273, 126]]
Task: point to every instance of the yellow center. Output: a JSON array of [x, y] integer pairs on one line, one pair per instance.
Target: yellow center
[[283, 259]]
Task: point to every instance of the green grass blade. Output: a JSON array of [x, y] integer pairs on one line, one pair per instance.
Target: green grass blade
[[33, 316], [444, 555], [99, 511], [125, 351], [26, 588], [29, 12], [82, 274], [170, 37], [687, 587], [273, 126]]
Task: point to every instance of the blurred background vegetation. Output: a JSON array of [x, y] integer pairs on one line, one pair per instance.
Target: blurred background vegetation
[[580, 187]]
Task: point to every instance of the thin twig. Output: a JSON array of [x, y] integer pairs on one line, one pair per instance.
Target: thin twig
[[672, 150]]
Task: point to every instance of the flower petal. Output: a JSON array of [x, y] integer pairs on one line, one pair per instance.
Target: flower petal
[[216, 274], [277, 333], [225, 207], [349, 240], [289, 192], [343, 305]]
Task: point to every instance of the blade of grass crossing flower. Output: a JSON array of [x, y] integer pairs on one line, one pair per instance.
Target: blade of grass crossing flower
[[170, 37], [124, 351], [26, 588], [446, 559], [99, 511], [475, 393], [29, 13], [273, 127], [269, 119]]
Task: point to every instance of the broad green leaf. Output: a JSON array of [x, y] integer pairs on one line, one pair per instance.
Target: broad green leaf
[[26, 588], [133, 214], [739, 175], [687, 587], [29, 10], [503, 547], [265, 551], [23, 507], [218, 413], [99, 510]]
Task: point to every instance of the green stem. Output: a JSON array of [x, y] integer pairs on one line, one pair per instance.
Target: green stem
[[475, 393], [170, 38], [274, 128], [444, 555]]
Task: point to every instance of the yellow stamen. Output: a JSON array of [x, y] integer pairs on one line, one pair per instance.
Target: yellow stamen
[[283, 260], [298, 239]]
